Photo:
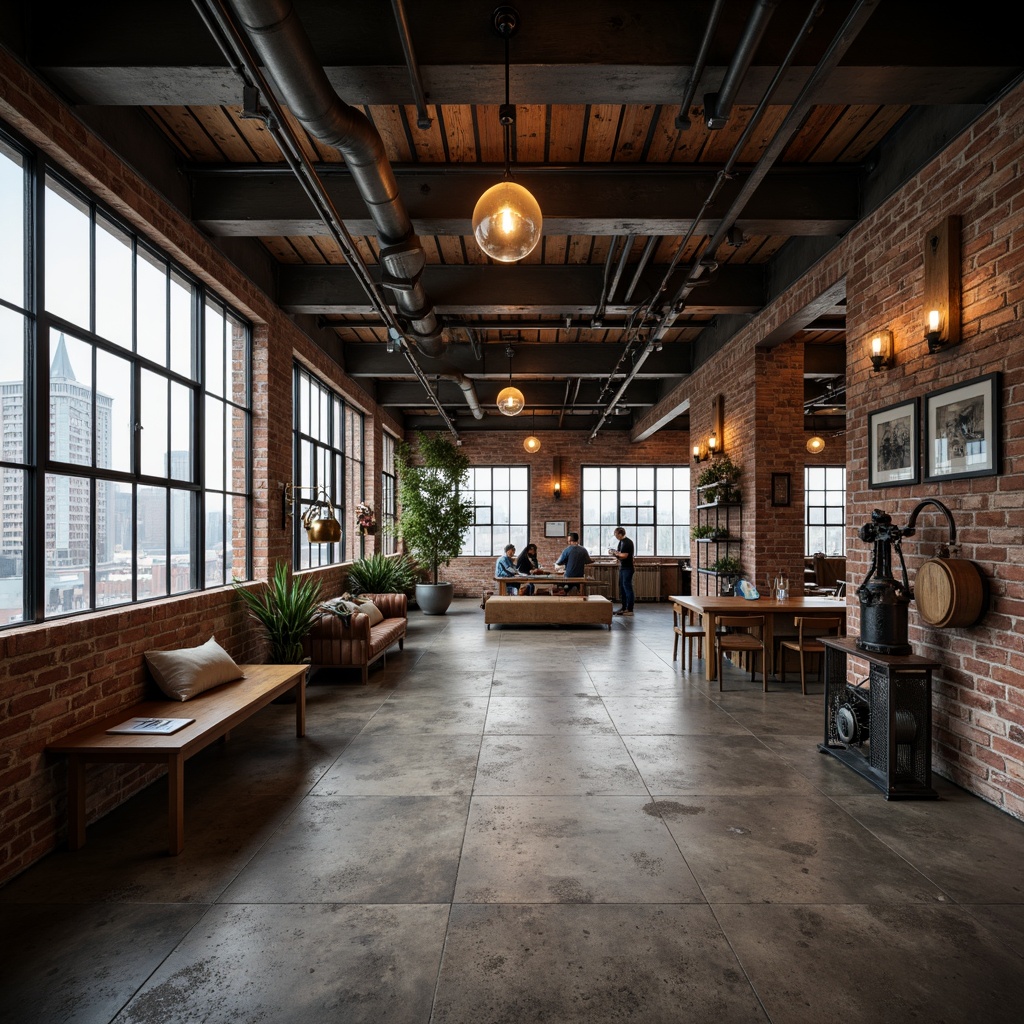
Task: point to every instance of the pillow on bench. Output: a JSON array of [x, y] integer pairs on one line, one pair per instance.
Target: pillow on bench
[[185, 673]]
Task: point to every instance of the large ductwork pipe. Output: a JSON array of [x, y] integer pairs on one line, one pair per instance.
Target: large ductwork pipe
[[283, 46], [469, 390]]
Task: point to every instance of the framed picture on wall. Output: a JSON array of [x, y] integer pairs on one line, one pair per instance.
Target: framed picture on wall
[[780, 489], [893, 456], [555, 528], [961, 430]]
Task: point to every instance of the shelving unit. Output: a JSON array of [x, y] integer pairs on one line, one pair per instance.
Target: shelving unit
[[724, 516]]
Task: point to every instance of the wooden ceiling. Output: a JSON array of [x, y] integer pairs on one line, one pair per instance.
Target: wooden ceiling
[[624, 190]]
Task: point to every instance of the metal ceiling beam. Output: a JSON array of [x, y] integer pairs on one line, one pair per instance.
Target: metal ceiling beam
[[603, 200], [540, 394], [495, 290], [588, 361]]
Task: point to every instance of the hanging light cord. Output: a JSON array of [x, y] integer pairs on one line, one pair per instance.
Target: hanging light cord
[[507, 114]]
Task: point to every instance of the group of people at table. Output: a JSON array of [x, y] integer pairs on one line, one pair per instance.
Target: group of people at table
[[573, 561]]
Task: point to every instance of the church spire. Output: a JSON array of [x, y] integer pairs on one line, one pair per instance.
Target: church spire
[[60, 368]]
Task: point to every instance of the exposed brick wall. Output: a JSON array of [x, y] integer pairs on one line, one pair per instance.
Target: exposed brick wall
[[611, 448]]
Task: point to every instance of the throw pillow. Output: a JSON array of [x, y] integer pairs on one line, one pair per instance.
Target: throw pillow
[[369, 608], [185, 673]]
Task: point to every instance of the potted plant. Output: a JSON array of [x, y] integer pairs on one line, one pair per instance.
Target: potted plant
[[433, 517], [382, 574], [284, 607], [724, 473]]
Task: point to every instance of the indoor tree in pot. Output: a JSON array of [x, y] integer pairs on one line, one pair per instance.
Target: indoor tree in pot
[[433, 517]]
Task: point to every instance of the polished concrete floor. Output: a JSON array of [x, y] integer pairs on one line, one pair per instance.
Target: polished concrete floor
[[528, 825]]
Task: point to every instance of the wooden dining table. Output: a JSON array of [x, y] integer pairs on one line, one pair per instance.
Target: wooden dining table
[[709, 607], [551, 579]]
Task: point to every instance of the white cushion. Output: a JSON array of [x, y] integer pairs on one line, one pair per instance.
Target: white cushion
[[369, 608], [185, 673]]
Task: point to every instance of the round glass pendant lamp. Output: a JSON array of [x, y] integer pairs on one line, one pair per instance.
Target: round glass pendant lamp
[[506, 219], [510, 401], [507, 222], [532, 444], [816, 444]]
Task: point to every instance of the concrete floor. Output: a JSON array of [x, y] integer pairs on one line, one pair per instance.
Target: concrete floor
[[528, 825]]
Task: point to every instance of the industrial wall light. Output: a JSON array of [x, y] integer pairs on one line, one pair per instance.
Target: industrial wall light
[[942, 284], [510, 399], [507, 219], [881, 354], [319, 520], [556, 477]]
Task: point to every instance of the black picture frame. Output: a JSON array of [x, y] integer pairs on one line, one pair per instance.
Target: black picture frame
[[894, 456], [781, 494], [962, 426]]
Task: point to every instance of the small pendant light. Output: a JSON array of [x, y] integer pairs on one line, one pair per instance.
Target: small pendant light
[[510, 399]]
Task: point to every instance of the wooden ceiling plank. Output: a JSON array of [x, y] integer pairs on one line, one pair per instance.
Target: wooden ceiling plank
[[185, 127], [633, 131], [461, 135], [815, 129], [387, 119], [602, 127], [256, 135], [530, 128], [566, 133]]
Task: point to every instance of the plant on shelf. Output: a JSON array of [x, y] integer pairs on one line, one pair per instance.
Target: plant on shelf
[[284, 606], [720, 479], [382, 574], [701, 532], [727, 565], [434, 516]]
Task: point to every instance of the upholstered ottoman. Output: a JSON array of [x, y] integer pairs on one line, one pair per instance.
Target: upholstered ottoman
[[592, 610]]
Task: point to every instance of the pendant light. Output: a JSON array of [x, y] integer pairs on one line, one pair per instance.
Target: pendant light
[[507, 219], [510, 399], [816, 445], [532, 443]]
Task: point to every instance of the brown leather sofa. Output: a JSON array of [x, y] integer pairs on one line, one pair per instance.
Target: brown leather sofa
[[334, 643]]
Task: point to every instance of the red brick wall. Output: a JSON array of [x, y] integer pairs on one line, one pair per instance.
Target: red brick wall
[[611, 448]]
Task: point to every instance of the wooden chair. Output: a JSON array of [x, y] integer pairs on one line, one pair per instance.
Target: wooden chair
[[744, 634], [687, 625], [808, 628]]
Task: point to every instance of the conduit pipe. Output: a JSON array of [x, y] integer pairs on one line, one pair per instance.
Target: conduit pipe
[[287, 53]]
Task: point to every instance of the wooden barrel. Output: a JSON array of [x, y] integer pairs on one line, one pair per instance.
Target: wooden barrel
[[949, 592]]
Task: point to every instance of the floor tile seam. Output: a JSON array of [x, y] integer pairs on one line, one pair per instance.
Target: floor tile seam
[[996, 934]]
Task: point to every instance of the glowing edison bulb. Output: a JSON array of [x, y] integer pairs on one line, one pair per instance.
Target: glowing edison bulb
[[532, 444], [507, 222], [933, 321], [510, 401]]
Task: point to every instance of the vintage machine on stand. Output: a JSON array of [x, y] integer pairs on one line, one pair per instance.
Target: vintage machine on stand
[[881, 726]]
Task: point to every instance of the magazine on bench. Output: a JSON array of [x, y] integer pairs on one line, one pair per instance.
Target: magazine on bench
[[153, 726]]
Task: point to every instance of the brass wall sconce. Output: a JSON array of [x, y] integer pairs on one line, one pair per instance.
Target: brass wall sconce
[[320, 521], [882, 352], [712, 446], [942, 284], [556, 477]]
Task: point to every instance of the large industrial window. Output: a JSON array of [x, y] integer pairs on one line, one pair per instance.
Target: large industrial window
[[126, 468], [388, 517], [825, 510], [329, 463], [501, 509], [652, 504]]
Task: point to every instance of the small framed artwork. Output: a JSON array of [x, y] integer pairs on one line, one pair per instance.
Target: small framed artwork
[[961, 430], [780, 489], [555, 528], [893, 456]]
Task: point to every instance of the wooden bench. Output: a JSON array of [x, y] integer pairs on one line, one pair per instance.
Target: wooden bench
[[216, 713], [548, 611]]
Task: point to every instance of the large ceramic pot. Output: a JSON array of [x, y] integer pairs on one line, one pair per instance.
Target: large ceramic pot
[[434, 598]]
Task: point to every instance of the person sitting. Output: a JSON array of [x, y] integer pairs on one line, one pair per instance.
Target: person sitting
[[505, 568], [528, 565], [575, 558]]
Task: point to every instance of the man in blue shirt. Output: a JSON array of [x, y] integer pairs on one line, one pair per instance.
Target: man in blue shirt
[[506, 567], [575, 558]]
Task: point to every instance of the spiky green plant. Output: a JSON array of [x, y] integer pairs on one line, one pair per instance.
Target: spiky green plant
[[284, 607], [382, 574]]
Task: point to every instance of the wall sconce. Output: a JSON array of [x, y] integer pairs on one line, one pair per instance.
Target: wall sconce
[[319, 520], [701, 452], [556, 477], [882, 356], [942, 284]]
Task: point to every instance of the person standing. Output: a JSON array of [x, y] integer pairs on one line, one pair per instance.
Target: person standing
[[575, 558], [624, 553]]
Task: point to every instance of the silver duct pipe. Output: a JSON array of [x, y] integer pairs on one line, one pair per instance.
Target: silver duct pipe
[[282, 44], [468, 389]]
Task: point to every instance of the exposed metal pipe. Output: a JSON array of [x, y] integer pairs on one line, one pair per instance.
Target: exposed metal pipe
[[401, 20], [468, 389], [603, 298], [288, 55], [718, 105], [641, 266], [683, 122], [626, 249]]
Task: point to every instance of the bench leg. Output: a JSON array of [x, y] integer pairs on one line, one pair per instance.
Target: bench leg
[[175, 803], [76, 802]]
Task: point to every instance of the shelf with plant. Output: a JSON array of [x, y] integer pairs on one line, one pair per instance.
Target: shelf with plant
[[705, 533], [716, 484], [727, 565]]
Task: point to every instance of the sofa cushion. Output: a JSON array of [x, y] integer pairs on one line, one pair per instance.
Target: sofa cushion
[[187, 672], [386, 633], [370, 609]]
